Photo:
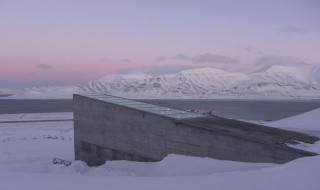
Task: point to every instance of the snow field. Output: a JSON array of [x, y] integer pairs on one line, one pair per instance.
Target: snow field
[[27, 150]]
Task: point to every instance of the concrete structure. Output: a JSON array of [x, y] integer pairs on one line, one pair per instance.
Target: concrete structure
[[113, 128]]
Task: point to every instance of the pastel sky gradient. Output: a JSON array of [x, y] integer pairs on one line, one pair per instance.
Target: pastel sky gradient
[[57, 42]]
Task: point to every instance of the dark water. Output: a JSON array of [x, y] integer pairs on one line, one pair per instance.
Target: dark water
[[238, 109], [243, 109], [8, 106], [5, 95]]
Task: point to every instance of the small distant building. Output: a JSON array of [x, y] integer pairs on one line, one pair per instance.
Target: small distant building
[[113, 128]]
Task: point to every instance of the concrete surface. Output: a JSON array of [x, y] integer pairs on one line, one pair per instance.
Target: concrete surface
[[110, 130]]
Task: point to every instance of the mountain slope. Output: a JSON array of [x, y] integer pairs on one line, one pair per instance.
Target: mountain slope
[[276, 82], [7, 91]]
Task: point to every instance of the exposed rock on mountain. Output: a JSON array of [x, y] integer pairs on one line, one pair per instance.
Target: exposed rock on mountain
[[278, 82]]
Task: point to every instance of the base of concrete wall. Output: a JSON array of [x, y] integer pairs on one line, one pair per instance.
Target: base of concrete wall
[[95, 155]]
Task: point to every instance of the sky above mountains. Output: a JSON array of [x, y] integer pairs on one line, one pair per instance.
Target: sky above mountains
[[73, 41]]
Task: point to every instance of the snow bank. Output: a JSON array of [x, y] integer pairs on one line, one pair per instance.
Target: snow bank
[[27, 150], [308, 122], [296, 175], [172, 165], [36, 116]]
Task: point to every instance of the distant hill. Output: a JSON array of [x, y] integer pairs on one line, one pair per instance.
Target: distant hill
[[278, 82], [5, 91]]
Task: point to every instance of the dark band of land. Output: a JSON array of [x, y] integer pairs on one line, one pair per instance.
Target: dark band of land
[[12, 106], [238, 109]]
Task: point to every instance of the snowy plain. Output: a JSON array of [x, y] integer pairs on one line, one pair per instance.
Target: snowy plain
[[27, 150]]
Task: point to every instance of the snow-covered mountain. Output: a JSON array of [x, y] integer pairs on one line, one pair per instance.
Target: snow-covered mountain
[[278, 82], [7, 91]]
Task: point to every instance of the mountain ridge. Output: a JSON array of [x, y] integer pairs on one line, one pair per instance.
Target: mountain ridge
[[278, 82]]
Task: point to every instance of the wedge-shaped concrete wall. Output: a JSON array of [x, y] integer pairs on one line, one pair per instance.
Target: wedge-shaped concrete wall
[[105, 130]]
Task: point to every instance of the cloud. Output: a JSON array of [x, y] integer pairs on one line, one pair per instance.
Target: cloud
[[214, 58], [253, 50], [249, 49], [278, 60], [103, 61], [29, 73], [206, 58], [182, 57], [168, 69], [292, 31], [161, 58], [126, 60], [43, 66], [108, 61], [89, 72]]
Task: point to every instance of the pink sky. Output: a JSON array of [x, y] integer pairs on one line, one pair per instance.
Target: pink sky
[[73, 41]]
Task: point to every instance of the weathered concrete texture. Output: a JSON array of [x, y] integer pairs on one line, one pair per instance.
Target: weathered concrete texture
[[105, 130], [96, 155]]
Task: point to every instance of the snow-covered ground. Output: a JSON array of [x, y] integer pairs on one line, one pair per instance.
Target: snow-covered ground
[[36, 116], [308, 122], [27, 150]]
